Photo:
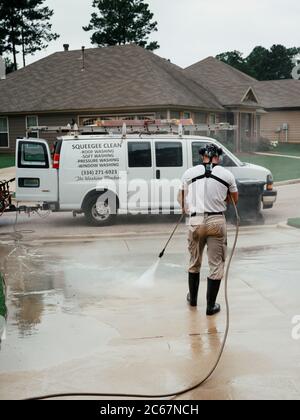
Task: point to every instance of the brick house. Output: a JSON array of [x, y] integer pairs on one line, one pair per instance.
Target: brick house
[[237, 92], [281, 100], [278, 115], [133, 83]]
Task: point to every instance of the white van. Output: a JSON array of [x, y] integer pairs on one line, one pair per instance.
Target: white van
[[136, 172]]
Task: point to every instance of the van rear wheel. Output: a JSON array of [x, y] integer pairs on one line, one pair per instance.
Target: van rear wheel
[[99, 212]]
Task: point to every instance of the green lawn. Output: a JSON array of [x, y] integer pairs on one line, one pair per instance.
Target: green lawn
[[288, 149], [7, 160], [294, 223], [283, 169]]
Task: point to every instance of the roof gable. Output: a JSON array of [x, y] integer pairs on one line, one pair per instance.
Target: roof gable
[[250, 96]]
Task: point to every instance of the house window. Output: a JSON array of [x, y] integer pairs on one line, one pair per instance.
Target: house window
[[163, 115], [32, 121], [4, 142], [212, 119], [200, 118], [258, 126], [92, 120], [186, 115], [175, 115]]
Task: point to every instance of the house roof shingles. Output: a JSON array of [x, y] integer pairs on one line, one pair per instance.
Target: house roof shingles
[[228, 84], [124, 77], [280, 94], [114, 78]]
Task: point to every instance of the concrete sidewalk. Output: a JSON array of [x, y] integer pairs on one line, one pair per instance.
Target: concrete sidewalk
[[81, 320], [277, 155]]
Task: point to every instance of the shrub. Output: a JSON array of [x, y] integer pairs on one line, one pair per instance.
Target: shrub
[[266, 145]]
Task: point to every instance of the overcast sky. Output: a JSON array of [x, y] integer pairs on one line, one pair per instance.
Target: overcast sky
[[190, 30]]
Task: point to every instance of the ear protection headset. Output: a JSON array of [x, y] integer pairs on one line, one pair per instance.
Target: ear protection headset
[[211, 151]]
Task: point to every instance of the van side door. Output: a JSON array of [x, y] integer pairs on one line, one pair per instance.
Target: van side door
[[36, 180], [170, 164], [140, 174]]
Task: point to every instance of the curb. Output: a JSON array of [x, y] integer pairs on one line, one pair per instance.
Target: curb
[[284, 225], [289, 182], [2, 328], [122, 236], [276, 155], [293, 223]]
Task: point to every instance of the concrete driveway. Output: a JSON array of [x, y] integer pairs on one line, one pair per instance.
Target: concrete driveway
[[63, 224], [82, 318]]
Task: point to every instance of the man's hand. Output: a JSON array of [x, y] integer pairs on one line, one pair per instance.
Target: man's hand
[[232, 196], [181, 201], [184, 210]]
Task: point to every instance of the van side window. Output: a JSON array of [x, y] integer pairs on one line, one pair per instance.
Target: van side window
[[139, 155], [197, 159], [227, 162], [32, 155], [168, 154]]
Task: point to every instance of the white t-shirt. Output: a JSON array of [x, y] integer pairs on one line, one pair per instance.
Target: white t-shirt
[[207, 195]]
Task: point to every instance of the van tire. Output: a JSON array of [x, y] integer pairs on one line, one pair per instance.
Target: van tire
[[104, 215]]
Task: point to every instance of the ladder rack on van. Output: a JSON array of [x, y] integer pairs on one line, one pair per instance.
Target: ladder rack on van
[[125, 127]]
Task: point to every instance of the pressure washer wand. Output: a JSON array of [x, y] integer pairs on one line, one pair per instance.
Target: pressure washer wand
[[172, 234]]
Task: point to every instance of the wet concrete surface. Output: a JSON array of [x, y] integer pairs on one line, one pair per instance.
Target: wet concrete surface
[[63, 224], [81, 321]]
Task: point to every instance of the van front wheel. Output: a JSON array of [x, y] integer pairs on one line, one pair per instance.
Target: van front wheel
[[99, 212]]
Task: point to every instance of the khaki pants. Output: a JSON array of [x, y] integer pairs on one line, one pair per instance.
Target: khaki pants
[[213, 233]]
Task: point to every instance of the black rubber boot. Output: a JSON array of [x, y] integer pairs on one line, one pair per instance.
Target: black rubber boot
[[213, 287], [194, 280]]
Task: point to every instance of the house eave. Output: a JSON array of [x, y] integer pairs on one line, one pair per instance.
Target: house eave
[[144, 108], [277, 109], [244, 106]]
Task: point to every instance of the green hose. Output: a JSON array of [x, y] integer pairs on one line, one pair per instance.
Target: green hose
[[3, 310], [187, 389]]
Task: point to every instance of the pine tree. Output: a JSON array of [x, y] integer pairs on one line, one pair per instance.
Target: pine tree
[[10, 27], [120, 22], [36, 29], [24, 24]]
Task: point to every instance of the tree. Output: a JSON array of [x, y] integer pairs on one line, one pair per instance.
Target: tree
[[120, 22], [36, 28], [259, 63], [25, 24], [281, 62], [234, 59], [263, 64], [9, 28], [9, 65]]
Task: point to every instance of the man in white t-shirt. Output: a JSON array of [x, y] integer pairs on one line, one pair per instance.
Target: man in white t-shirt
[[204, 195]]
